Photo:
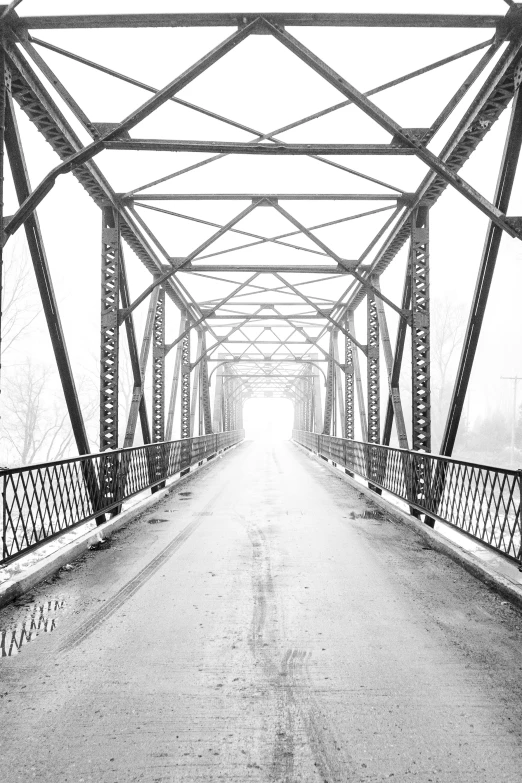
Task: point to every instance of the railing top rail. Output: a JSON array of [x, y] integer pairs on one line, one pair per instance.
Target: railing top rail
[[93, 455], [439, 457]]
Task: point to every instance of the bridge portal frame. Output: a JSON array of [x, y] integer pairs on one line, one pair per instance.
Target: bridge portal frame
[[27, 80]]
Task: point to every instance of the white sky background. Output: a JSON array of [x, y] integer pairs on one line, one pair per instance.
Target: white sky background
[[262, 85]]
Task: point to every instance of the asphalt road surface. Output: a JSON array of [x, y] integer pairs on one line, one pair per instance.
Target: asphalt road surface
[[264, 622]]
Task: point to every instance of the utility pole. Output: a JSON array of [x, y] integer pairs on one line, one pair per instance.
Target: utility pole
[[515, 379]]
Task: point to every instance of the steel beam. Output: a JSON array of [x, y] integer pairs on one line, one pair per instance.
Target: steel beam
[[158, 369], [109, 334], [138, 115], [185, 386], [394, 376], [402, 197], [298, 269], [42, 110], [139, 382], [349, 399], [135, 362], [393, 388], [3, 113], [420, 331], [330, 388], [97, 21], [175, 384], [338, 390], [195, 399], [437, 164], [205, 391], [373, 371], [491, 100], [218, 399], [488, 261], [249, 148], [43, 278]]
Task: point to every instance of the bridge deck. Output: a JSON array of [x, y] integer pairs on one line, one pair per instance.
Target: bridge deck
[[264, 623]]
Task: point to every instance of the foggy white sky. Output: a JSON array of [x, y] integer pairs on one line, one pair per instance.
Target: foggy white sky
[[263, 86]]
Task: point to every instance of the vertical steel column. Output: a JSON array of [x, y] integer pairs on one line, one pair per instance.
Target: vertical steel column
[[158, 369], [394, 377], [318, 407], [488, 261], [175, 383], [394, 391], [185, 403], [330, 389], [205, 391], [338, 388], [349, 401], [309, 403], [109, 338], [373, 377], [358, 381], [195, 401], [3, 102], [185, 386], [420, 331], [138, 400], [219, 425], [137, 392], [226, 399]]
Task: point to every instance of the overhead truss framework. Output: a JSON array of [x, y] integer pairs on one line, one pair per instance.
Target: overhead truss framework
[[275, 302]]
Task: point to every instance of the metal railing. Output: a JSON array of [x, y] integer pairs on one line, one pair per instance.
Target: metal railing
[[42, 501], [481, 501]]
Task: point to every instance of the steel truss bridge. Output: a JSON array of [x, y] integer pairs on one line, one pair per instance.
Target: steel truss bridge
[[269, 328]]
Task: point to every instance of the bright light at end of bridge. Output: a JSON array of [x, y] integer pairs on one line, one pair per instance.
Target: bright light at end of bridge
[[268, 418]]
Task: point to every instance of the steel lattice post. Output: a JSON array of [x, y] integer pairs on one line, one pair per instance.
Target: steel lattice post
[[205, 391], [330, 387], [349, 401], [318, 408], [137, 392], [185, 386], [308, 389], [109, 343], [373, 377], [226, 399], [158, 369], [420, 333], [218, 400], [185, 403]]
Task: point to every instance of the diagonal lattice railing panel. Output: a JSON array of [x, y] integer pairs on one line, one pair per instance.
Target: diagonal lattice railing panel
[[41, 501], [481, 501]]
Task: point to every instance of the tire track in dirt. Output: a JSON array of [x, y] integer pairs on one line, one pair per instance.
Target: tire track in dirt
[[133, 585], [299, 713]]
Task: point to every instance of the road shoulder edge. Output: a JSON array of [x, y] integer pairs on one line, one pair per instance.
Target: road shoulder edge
[[436, 540], [24, 581]]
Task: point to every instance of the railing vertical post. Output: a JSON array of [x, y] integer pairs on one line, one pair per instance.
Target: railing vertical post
[[4, 517], [519, 518]]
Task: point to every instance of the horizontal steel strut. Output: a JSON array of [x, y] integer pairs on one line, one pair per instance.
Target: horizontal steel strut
[[313, 330]]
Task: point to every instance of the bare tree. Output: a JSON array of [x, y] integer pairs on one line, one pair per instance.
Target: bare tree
[[35, 424], [446, 341], [19, 307]]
